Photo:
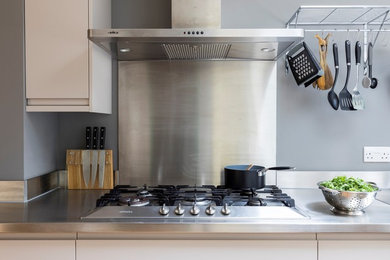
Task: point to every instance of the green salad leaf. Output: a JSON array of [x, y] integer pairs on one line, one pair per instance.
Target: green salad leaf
[[343, 183]]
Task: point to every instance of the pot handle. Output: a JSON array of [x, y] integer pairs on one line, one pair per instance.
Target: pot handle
[[278, 168]]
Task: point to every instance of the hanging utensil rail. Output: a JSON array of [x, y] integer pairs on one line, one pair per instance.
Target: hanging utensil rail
[[349, 18]]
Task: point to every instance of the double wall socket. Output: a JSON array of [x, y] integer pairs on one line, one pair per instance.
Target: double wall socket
[[376, 154]]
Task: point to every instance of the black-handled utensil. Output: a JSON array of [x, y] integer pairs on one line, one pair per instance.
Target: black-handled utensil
[[102, 138], [86, 156], [345, 96], [332, 96], [358, 53], [95, 154], [374, 81], [95, 138], [88, 137]]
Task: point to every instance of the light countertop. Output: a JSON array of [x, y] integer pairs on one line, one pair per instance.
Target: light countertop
[[61, 211]]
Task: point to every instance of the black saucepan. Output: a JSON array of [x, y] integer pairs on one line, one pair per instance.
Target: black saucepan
[[239, 177]]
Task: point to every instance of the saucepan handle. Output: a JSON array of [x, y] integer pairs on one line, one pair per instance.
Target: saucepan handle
[[278, 168]]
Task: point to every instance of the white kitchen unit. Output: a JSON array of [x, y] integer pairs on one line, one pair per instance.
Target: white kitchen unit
[[38, 249], [354, 249], [64, 71], [196, 249]]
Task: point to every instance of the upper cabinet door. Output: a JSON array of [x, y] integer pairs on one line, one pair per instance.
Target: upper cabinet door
[[57, 52]]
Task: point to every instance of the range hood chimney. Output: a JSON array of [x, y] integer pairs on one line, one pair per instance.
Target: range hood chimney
[[196, 14], [196, 34]]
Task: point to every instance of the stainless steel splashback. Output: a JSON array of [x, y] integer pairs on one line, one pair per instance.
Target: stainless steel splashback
[[182, 122]]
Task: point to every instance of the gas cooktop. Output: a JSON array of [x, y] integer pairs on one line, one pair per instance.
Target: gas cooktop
[[184, 203]]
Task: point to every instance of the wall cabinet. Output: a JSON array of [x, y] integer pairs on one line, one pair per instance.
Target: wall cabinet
[[64, 71], [38, 249], [196, 249], [353, 249]]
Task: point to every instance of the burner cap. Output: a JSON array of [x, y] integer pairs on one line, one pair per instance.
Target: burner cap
[[256, 202], [134, 201], [200, 201]]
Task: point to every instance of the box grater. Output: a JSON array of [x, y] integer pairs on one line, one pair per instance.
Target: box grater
[[304, 66]]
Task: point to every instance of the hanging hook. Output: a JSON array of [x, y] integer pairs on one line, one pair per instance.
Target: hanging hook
[[332, 38], [357, 35]]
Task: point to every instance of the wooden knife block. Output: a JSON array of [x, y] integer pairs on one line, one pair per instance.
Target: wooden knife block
[[74, 165]]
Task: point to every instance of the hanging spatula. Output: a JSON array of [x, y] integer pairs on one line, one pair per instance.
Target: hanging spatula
[[357, 100], [344, 96]]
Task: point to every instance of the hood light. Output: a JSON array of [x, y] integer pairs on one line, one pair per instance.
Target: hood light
[[267, 49], [124, 50]]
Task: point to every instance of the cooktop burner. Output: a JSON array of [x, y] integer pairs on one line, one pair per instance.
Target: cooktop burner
[[185, 195]]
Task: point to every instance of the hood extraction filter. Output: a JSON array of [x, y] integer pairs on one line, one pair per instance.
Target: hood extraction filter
[[210, 51]]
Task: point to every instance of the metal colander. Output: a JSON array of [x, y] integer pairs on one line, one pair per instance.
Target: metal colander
[[348, 202]]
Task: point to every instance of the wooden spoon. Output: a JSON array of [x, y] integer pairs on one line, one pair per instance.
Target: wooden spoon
[[249, 167], [326, 81]]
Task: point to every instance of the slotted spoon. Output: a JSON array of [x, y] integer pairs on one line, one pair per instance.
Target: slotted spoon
[[344, 96], [357, 100]]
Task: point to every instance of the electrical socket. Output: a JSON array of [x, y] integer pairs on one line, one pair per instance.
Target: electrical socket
[[376, 154]]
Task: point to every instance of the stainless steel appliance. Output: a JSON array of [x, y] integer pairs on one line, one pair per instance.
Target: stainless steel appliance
[[183, 203], [196, 35]]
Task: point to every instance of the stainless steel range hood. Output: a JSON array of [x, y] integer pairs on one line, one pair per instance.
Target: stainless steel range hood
[[196, 44], [196, 35]]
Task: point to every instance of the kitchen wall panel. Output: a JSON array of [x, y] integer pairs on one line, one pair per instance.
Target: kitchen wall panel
[[309, 134], [181, 122], [313, 136], [28, 142], [11, 90]]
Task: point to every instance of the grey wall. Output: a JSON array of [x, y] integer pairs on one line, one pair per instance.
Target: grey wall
[[41, 138], [310, 134], [28, 140], [141, 13], [11, 90]]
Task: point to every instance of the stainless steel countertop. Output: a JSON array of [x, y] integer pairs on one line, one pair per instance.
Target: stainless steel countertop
[[60, 211]]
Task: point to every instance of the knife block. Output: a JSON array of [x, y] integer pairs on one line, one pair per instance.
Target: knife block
[[74, 165]]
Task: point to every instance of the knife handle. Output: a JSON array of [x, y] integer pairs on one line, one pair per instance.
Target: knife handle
[[95, 138], [88, 136], [102, 137]]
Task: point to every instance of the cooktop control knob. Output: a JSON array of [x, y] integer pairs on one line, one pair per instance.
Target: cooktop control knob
[[179, 210], [210, 210], [225, 210], [194, 210], [164, 210]]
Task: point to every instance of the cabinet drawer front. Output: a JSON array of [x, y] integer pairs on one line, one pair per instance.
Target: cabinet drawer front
[[38, 249], [353, 249], [56, 49], [196, 249]]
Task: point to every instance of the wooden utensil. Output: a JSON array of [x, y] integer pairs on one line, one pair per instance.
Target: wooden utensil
[[326, 81]]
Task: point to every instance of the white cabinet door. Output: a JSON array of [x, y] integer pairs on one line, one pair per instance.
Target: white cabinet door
[[196, 249], [56, 49], [353, 249], [64, 71], [37, 249]]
